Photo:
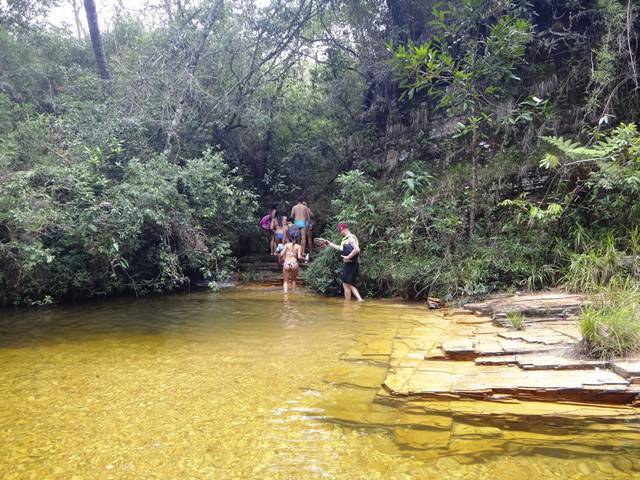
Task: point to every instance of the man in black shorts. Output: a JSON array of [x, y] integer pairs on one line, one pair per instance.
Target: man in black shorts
[[349, 249]]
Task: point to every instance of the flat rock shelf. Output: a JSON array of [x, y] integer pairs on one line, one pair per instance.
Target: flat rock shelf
[[475, 353]]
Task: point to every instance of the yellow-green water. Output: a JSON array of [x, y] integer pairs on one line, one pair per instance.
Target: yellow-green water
[[245, 384]]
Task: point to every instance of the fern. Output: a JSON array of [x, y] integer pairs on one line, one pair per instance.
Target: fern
[[573, 150], [622, 140]]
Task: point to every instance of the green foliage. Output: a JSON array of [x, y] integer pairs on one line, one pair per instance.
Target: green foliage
[[89, 207], [599, 262], [528, 212], [610, 326], [516, 319], [609, 172], [71, 230], [409, 233], [323, 273], [484, 65]]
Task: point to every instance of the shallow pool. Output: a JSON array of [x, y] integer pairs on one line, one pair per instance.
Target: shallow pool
[[248, 384]]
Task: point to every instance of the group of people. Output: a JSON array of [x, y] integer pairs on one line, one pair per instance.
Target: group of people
[[290, 237], [297, 228]]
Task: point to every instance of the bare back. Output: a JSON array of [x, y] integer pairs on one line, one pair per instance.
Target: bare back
[[300, 212]]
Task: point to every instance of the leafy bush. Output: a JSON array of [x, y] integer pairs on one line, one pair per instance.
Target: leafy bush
[[70, 230], [599, 263], [324, 272], [413, 246], [611, 325]]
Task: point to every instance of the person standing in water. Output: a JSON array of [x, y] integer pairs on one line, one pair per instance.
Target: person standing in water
[[300, 215], [291, 257], [349, 250]]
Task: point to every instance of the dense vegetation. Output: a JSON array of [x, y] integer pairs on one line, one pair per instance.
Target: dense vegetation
[[473, 145]]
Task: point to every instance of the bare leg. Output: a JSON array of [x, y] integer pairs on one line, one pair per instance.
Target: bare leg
[[309, 238], [303, 239], [293, 277], [347, 291], [356, 293], [273, 243], [285, 279]]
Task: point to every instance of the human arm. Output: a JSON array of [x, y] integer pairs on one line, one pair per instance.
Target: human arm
[[354, 252], [355, 248], [326, 243]]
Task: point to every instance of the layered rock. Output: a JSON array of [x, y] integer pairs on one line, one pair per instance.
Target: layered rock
[[480, 357]]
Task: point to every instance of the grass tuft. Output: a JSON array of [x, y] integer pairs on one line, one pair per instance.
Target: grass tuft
[[595, 268], [610, 326], [516, 319]]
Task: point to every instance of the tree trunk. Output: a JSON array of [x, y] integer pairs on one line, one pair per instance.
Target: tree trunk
[[76, 13], [171, 144], [96, 39], [473, 183], [167, 9]]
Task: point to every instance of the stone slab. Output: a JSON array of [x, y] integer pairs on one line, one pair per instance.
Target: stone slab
[[435, 353], [489, 347], [450, 360], [627, 368], [459, 347], [468, 379], [520, 346], [540, 304], [556, 361], [496, 360], [545, 337]]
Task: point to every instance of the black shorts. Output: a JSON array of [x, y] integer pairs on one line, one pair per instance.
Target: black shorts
[[349, 272]]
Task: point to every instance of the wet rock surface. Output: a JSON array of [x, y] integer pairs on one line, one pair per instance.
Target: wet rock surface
[[478, 356], [451, 409]]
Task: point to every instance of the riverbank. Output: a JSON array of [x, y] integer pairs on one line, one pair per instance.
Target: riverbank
[[476, 353]]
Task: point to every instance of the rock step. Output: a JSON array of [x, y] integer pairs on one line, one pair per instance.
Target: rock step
[[258, 258], [261, 258], [264, 267], [259, 267], [500, 319], [447, 379], [542, 312], [628, 368], [556, 304], [537, 361], [508, 343]]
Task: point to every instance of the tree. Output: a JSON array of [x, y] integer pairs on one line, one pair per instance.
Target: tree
[[172, 132], [469, 83], [75, 4], [96, 39]]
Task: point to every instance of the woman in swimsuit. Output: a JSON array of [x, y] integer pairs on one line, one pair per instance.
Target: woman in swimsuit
[[280, 230], [272, 223], [290, 256]]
